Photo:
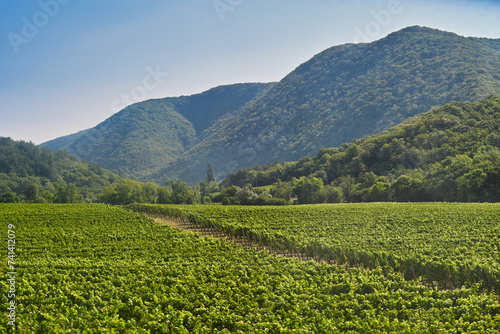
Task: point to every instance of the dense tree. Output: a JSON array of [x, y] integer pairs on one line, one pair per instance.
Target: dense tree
[[334, 194], [136, 192], [449, 154], [282, 190], [31, 192], [9, 198], [48, 196], [309, 190], [66, 194], [27, 170], [246, 195], [164, 195], [208, 188], [181, 193]]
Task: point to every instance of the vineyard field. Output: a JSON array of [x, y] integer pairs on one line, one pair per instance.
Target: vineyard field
[[448, 244], [90, 268]]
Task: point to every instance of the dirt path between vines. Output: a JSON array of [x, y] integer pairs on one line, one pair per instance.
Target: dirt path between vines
[[215, 234]]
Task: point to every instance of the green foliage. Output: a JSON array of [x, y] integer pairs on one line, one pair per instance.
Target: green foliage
[[309, 190], [48, 196], [66, 194], [207, 189], [31, 192], [177, 192], [181, 193], [282, 190], [164, 195], [248, 196], [334, 195], [9, 198], [99, 269], [449, 154], [39, 175]]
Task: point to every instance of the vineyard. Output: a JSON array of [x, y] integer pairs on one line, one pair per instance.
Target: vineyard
[[100, 269], [443, 245]]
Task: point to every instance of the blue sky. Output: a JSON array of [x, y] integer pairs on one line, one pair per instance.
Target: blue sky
[[67, 65]]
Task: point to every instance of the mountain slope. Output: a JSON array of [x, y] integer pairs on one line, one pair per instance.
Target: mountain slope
[[451, 153], [145, 136], [348, 92], [345, 92]]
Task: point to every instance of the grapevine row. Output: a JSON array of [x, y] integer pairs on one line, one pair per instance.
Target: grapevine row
[[440, 273]]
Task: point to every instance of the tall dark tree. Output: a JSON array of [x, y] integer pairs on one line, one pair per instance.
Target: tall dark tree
[[31, 192], [210, 174]]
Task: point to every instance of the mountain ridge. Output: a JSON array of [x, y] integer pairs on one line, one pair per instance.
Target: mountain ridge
[[146, 135], [345, 92], [369, 113]]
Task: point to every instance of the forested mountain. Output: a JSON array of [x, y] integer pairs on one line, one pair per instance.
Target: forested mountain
[[451, 153], [348, 92], [345, 92], [39, 174], [145, 136]]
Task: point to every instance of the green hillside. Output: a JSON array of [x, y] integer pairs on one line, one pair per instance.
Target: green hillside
[[348, 92], [343, 93], [38, 174], [145, 136], [451, 153]]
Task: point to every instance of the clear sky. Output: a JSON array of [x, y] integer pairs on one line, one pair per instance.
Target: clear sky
[[66, 65]]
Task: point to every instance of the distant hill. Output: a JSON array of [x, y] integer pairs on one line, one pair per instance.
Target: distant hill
[[451, 154], [348, 92], [345, 92], [24, 166], [146, 136]]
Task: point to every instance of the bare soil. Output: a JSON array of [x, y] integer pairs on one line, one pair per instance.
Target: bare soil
[[212, 233]]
